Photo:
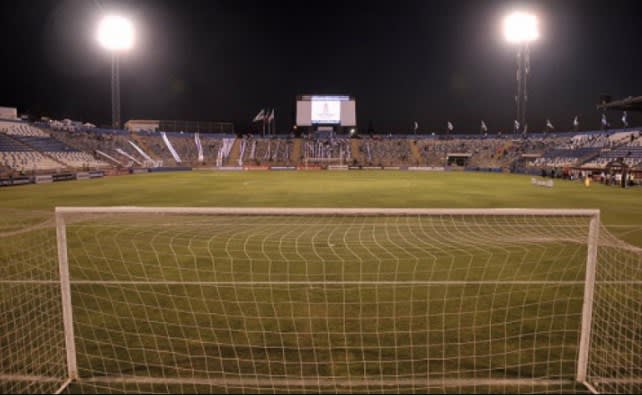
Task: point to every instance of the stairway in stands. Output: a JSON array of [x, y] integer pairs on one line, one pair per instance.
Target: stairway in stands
[[356, 150], [414, 150], [296, 152], [235, 154]]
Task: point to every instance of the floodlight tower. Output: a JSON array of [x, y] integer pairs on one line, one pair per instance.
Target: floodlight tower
[[521, 29], [116, 34]]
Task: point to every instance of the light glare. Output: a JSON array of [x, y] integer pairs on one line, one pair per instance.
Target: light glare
[[521, 28], [116, 33]]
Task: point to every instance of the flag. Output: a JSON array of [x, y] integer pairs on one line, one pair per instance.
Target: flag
[[416, 126], [605, 123], [483, 126], [626, 124], [576, 122], [271, 116], [549, 124], [450, 126], [516, 125], [525, 127], [260, 116]]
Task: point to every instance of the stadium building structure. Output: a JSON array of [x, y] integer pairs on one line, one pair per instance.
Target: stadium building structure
[[627, 104], [136, 125], [44, 148]]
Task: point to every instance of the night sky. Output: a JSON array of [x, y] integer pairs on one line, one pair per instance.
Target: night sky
[[429, 61]]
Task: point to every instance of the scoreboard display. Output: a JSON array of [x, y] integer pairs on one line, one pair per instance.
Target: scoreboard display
[[325, 110]]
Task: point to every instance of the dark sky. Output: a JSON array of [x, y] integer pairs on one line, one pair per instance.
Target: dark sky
[[430, 61]]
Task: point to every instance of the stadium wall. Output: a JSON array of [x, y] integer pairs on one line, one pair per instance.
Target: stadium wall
[[169, 169], [9, 113]]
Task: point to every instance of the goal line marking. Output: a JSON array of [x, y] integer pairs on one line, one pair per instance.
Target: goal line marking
[[326, 382]]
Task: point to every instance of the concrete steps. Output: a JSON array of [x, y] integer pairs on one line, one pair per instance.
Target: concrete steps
[[235, 154], [355, 146], [295, 159], [415, 154]]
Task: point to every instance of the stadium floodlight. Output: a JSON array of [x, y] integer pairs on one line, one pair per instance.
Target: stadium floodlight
[[521, 28], [116, 34]]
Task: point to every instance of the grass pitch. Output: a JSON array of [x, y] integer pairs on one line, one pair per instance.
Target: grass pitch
[[179, 331], [621, 208]]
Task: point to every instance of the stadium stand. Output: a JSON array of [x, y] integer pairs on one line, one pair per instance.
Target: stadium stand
[[581, 148], [79, 160], [8, 144], [185, 146], [338, 150], [54, 146], [18, 156], [109, 142], [211, 146], [154, 143], [21, 129], [59, 151], [629, 151], [379, 151], [26, 160]]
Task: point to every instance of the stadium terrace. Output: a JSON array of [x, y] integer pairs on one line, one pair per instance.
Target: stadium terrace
[[34, 152]]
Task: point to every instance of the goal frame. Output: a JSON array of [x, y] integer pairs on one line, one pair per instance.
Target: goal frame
[[589, 280]]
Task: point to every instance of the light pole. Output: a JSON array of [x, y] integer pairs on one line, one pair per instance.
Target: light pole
[[521, 29], [115, 34]]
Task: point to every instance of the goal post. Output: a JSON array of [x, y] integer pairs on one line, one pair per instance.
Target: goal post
[[65, 294], [587, 304], [332, 381], [219, 299]]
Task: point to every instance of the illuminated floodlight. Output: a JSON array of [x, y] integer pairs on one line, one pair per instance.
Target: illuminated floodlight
[[116, 33], [521, 28]]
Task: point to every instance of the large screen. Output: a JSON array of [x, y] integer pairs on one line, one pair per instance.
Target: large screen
[[348, 113], [303, 113], [326, 111]]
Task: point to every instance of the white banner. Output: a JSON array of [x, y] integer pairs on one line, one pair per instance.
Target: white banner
[[171, 147], [108, 157], [199, 146], [140, 151], [120, 151]]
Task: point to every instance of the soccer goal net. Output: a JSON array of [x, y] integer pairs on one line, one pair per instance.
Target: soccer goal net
[[320, 300]]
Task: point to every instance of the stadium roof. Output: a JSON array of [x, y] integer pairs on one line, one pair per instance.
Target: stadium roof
[[628, 104]]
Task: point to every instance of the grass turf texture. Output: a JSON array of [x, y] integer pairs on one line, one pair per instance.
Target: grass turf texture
[[621, 209], [105, 312]]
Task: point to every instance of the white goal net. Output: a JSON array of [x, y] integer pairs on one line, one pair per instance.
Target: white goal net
[[321, 300]]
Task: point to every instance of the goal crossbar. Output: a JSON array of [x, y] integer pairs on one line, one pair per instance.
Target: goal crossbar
[[329, 211]]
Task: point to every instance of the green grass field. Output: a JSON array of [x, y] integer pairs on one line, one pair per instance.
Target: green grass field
[[495, 326], [621, 208]]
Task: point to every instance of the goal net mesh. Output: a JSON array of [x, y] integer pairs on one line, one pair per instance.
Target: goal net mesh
[[166, 302], [32, 346]]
